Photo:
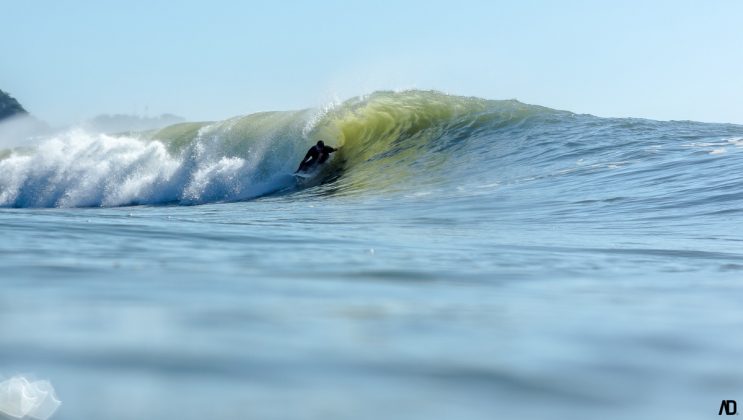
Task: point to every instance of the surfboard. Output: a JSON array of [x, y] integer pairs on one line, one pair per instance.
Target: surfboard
[[303, 175], [315, 174], [305, 178]]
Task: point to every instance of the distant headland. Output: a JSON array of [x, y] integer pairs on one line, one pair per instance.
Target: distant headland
[[105, 123], [9, 106]]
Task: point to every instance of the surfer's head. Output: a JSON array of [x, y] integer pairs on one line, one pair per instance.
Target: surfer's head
[[320, 143]]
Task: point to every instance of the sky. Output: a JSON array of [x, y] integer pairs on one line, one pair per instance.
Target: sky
[[68, 60]]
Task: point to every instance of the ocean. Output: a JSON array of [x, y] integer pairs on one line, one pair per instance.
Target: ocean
[[457, 258]]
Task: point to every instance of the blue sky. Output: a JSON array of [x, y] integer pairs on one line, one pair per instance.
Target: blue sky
[[69, 60]]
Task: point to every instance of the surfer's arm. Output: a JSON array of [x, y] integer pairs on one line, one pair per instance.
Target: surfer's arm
[[308, 157]]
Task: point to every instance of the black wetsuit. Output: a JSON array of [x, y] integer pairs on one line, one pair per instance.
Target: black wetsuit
[[316, 154]]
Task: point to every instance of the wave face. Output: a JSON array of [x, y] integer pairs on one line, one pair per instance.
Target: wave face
[[413, 142]]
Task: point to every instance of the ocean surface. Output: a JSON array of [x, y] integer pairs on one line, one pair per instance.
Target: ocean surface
[[458, 258]]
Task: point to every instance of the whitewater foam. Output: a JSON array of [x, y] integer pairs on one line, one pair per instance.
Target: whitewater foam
[[81, 169]]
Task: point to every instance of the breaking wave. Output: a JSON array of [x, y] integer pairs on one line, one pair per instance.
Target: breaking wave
[[390, 142]]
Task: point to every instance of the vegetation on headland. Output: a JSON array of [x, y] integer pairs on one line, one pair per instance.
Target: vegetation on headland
[[9, 106]]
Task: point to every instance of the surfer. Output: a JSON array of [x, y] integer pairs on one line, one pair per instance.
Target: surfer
[[317, 154]]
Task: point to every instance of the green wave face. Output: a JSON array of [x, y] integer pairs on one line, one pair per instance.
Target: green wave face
[[389, 137], [385, 138]]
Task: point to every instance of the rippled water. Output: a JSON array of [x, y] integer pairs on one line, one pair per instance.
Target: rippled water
[[463, 259]]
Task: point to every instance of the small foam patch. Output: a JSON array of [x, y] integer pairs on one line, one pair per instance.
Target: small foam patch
[[24, 399]]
